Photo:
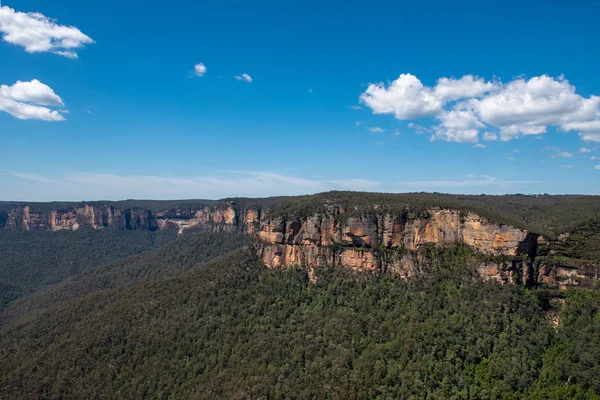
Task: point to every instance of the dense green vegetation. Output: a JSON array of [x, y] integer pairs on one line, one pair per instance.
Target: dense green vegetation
[[138, 314], [583, 241], [167, 260], [32, 260], [233, 329]]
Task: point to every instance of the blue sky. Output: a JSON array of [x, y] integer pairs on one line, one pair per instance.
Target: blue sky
[[99, 101]]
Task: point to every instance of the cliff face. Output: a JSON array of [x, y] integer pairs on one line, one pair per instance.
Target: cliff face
[[375, 241], [387, 242], [100, 217]]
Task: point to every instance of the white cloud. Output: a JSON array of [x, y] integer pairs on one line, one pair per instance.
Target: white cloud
[[244, 77], [598, 167], [38, 33], [519, 107], [87, 186], [479, 146], [406, 98], [592, 157], [513, 131], [467, 86], [458, 126], [584, 150], [588, 130], [491, 136], [357, 123], [355, 107], [200, 69], [565, 154], [540, 101], [376, 129], [567, 166], [26, 100], [516, 151]]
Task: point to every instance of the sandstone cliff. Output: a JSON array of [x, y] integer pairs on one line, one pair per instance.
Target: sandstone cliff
[[368, 241]]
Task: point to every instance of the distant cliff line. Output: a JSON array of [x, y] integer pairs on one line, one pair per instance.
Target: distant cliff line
[[372, 238]]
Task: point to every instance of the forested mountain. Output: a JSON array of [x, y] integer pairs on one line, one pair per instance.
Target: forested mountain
[[337, 295], [32, 260], [167, 260], [232, 329]]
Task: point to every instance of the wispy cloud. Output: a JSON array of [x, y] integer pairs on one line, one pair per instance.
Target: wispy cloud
[[419, 129], [481, 180], [88, 185], [355, 184], [376, 129], [244, 77], [355, 107]]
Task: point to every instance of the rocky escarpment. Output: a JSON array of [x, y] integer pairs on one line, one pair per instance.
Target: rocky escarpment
[[105, 216], [368, 241], [387, 242]]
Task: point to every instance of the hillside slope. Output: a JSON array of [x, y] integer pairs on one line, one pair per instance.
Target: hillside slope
[[32, 260], [167, 260], [233, 329]]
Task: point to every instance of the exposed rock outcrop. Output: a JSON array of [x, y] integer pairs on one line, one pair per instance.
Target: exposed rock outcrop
[[360, 241]]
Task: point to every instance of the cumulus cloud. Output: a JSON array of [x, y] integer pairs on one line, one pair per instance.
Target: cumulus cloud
[[38, 33], [244, 77], [376, 129], [31, 100], [539, 101], [565, 154], [508, 110], [584, 150], [406, 98], [88, 185], [200, 69], [458, 126], [588, 130], [467, 86]]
